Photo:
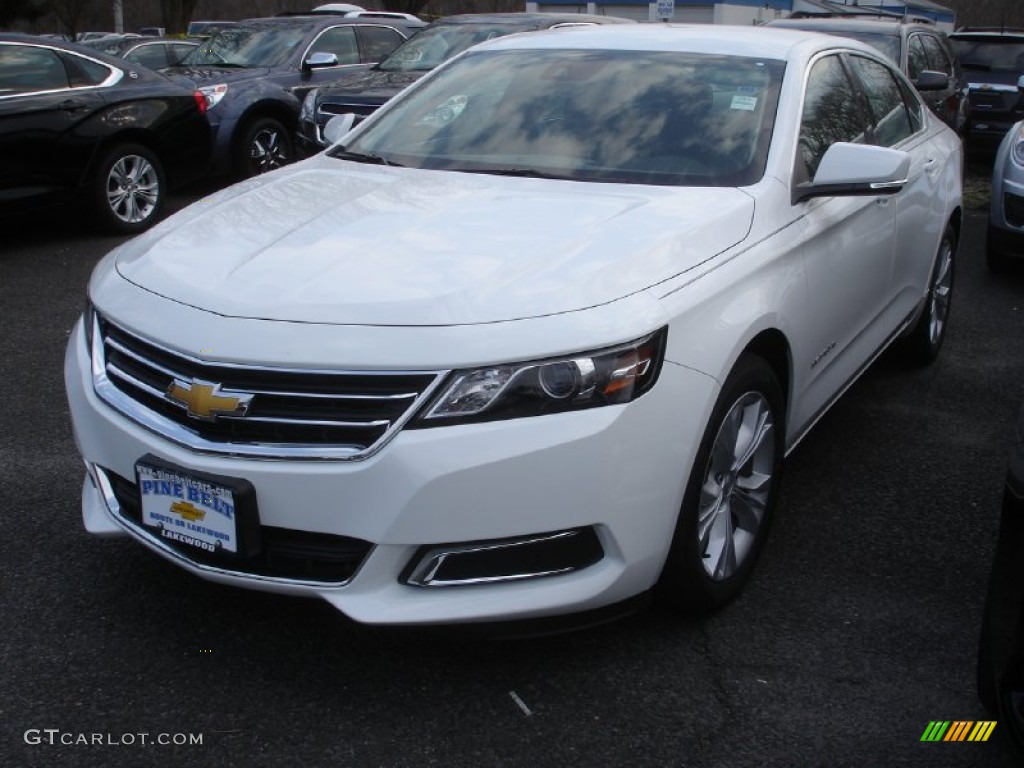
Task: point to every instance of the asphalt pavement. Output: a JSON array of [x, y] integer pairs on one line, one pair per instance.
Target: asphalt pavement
[[859, 628]]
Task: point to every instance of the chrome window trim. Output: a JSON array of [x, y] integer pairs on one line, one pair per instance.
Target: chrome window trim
[[115, 76], [98, 477], [170, 430]]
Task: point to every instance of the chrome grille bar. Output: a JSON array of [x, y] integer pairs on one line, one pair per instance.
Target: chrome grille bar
[[342, 414]]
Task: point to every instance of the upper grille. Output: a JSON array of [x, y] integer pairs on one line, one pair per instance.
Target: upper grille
[[292, 412]]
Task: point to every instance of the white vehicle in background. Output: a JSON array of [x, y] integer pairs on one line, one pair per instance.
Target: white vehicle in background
[[534, 338]]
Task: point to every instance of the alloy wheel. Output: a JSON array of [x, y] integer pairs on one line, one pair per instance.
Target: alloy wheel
[[737, 486]]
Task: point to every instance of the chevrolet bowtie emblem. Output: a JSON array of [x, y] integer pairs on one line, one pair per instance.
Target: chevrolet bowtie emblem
[[188, 511], [205, 400]]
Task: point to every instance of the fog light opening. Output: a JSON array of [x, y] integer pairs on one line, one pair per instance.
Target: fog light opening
[[487, 562]]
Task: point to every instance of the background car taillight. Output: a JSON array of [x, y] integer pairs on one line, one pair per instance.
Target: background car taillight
[[200, 101]]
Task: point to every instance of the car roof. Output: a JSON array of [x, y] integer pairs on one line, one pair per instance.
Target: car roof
[[982, 34], [540, 19], [310, 20], [879, 26], [754, 42]]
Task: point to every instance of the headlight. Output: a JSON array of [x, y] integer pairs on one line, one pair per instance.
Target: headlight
[[574, 382], [1017, 147], [213, 94], [308, 112]]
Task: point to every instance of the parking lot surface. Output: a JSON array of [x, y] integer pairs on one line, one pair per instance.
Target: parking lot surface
[[859, 628]]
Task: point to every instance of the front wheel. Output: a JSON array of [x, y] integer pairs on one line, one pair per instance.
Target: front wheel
[[924, 342], [730, 496], [128, 189], [265, 145]]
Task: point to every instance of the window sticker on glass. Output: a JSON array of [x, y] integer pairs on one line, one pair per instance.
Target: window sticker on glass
[[748, 103]]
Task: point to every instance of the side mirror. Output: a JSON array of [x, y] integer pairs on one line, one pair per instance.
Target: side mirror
[[856, 169], [929, 80], [320, 60], [337, 127]]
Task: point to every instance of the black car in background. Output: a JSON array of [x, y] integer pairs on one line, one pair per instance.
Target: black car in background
[[993, 60], [78, 126], [361, 93], [916, 45], [255, 73], [1001, 650], [152, 52]]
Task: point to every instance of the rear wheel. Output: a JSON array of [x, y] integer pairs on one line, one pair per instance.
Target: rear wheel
[[128, 189], [266, 145], [924, 342], [730, 496]]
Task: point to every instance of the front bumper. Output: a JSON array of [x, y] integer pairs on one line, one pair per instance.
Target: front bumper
[[619, 471]]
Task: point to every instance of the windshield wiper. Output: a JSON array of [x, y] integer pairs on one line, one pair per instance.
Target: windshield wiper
[[363, 157], [526, 173]]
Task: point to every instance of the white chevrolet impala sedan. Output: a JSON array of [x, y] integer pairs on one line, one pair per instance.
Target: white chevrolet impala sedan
[[534, 339]]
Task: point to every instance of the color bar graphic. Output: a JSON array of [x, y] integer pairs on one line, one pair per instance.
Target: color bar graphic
[[958, 730]]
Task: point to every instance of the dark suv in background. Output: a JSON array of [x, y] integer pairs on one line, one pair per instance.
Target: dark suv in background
[[361, 93], [917, 45], [993, 60], [255, 73]]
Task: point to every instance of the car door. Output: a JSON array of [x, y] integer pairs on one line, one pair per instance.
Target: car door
[[899, 122], [847, 244], [38, 107]]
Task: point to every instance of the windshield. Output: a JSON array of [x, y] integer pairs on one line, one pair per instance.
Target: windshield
[[618, 116], [435, 45], [248, 46], [991, 54]]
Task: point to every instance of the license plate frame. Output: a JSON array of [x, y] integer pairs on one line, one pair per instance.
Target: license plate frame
[[198, 513]]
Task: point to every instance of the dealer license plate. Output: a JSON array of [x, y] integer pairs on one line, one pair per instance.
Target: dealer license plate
[[187, 509]]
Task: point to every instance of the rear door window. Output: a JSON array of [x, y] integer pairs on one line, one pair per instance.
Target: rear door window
[[27, 69]]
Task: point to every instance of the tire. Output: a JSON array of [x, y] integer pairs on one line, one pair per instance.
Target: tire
[[265, 145], [730, 495], [923, 343], [129, 189]]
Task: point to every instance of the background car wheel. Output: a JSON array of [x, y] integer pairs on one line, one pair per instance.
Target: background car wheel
[[924, 342], [129, 189], [729, 499], [265, 146]]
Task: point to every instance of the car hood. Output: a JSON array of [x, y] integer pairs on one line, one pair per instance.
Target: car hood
[[210, 74], [373, 84], [329, 241]]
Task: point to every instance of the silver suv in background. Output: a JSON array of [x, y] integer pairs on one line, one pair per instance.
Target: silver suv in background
[[1005, 240]]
